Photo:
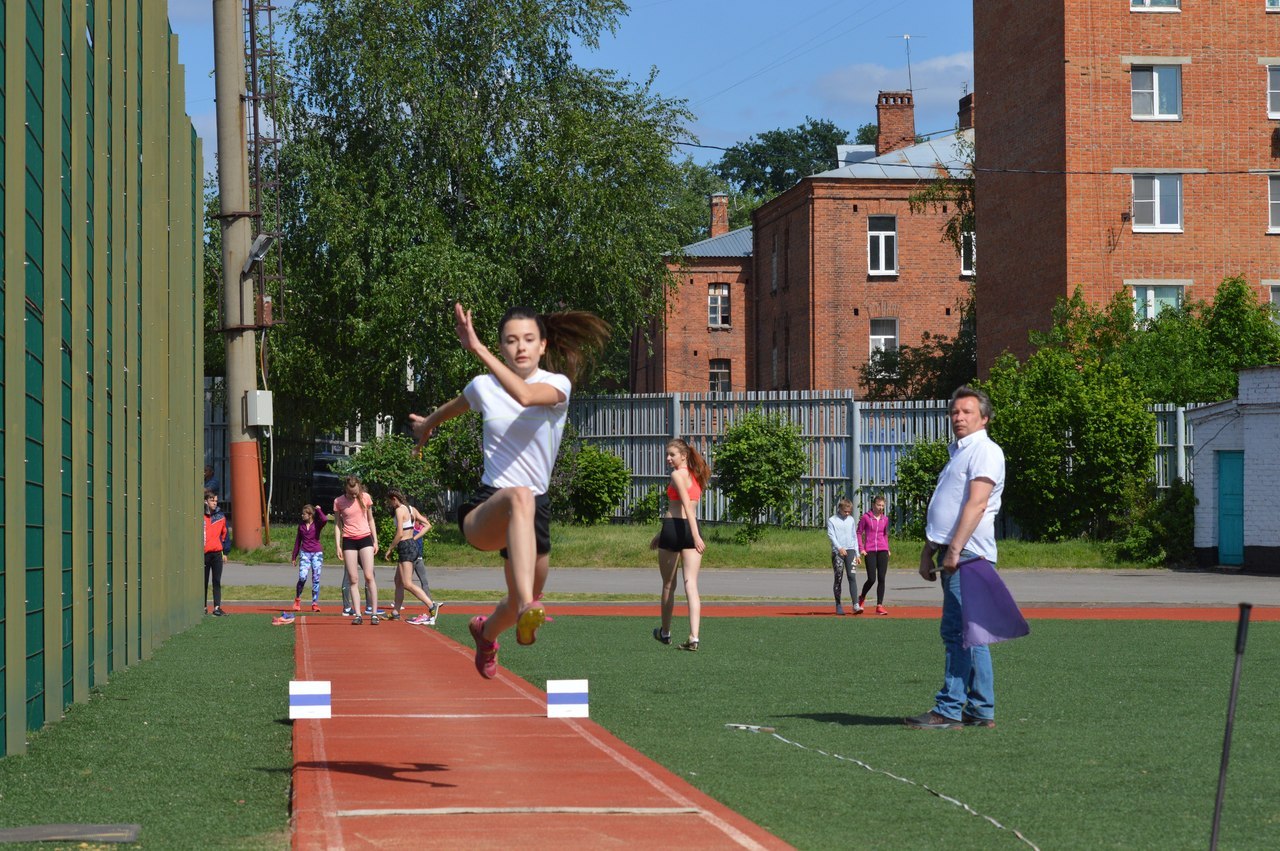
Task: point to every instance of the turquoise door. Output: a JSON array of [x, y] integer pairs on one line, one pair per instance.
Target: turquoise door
[[1230, 507]]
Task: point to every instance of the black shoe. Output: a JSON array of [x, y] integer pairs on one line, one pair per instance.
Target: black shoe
[[933, 721], [357, 620], [217, 611], [973, 721], [373, 620], [657, 633]]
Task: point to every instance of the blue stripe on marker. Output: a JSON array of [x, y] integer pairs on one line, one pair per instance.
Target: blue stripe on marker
[[565, 699], [309, 700]]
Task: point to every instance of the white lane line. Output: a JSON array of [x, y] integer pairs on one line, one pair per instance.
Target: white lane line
[[328, 799], [488, 811], [442, 715]]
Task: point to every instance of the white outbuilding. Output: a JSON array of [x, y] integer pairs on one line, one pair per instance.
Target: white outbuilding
[[1237, 478]]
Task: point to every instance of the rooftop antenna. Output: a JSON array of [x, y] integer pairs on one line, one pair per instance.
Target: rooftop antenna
[[906, 37]]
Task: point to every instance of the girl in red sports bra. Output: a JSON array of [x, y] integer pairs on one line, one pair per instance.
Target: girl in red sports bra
[[679, 542]]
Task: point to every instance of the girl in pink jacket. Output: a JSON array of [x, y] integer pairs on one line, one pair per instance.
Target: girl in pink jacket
[[873, 540]]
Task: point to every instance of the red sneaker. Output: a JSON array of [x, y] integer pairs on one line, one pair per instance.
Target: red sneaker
[[527, 625], [297, 604], [315, 607], [881, 610], [486, 651]]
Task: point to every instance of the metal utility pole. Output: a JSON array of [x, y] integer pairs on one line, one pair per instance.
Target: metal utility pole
[[237, 282]]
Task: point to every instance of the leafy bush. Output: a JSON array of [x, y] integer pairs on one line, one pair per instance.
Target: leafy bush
[[599, 484], [388, 462], [759, 462], [918, 470], [1159, 527], [455, 455], [560, 488], [648, 508], [1078, 442]]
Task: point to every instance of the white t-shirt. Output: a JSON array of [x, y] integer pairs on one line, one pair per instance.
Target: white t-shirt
[[972, 457], [520, 444]]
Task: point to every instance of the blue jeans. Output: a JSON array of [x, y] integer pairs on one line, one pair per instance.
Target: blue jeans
[[968, 683]]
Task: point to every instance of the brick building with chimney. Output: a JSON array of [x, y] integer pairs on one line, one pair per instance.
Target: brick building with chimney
[[1138, 149], [830, 270]]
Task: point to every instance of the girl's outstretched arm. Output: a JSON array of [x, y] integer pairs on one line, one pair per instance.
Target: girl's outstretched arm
[[424, 426]]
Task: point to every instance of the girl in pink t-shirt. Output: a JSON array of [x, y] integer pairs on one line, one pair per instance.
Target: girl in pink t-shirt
[[356, 538]]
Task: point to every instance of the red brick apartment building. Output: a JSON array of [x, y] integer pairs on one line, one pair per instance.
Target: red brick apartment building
[[1134, 144], [831, 269]]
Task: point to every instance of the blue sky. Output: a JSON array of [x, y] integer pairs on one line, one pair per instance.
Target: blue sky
[[744, 66]]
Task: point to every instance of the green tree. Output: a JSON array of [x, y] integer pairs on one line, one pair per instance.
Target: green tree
[[447, 150], [867, 134], [215, 344], [774, 161], [916, 478], [1078, 441], [690, 211], [388, 462], [759, 462], [930, 370]]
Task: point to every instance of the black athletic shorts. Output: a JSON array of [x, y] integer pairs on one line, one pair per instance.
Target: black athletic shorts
[[541, 516], [357, 543], [675, 535], [407, 549]]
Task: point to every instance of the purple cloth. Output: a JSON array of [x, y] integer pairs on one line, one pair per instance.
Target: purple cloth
[[986, 606]]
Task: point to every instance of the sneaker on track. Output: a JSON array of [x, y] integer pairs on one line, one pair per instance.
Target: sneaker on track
[[486, 651], [435, 611], [881, 610], [297, 604], [839, 609], [421, 620], [315, 607], [528, 623]]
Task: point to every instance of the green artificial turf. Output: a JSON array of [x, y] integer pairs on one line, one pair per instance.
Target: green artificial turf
[[193, 744], [1109, 733]]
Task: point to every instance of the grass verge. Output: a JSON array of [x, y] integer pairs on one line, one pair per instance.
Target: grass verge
[[621, 545], [1109, 733], [193, 744]]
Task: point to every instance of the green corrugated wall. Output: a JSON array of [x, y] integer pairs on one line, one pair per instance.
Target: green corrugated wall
[[100, 407]]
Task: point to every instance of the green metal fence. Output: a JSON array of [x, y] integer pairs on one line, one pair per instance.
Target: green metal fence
[[100, 183]]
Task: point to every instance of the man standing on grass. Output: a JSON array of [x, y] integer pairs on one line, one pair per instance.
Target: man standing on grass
[[961, 525]]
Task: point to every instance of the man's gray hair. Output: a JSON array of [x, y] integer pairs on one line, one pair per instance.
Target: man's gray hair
[[984, 401]]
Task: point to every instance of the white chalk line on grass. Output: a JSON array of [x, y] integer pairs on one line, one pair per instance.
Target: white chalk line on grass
[[856, 761]]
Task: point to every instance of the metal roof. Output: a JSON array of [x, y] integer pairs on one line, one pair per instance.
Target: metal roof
[[914, 162], [735, 243]]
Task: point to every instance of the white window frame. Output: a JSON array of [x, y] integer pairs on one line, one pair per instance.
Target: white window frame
[[1273, 203], [1273, 87], [1275, 299], [1148, 189], [726, 373], [1273, 5], [968, 252], [718, 306], [1150, 297], [883, 342], [1155, 5], [1163, 77], [883, 243]]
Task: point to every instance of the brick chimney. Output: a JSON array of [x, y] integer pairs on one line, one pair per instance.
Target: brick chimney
[[896, 117], [719, 214], [966, 112]]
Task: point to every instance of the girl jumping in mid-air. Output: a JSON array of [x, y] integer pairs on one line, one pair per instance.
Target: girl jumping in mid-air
[[524, 409], [308, 555], [679, 543]]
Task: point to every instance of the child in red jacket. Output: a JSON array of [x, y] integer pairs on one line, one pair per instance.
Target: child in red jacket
[[217, 543]]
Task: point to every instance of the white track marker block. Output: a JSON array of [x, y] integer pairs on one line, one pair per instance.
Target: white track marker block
[[310, 699], [567, 699]]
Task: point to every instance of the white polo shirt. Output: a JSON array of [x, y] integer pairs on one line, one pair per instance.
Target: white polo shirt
[[520, 444], [972, 457]]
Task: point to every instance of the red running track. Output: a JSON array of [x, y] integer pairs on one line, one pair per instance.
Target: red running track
[[438, 757]]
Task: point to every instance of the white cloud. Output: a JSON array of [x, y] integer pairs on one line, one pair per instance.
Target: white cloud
[[938, 84]]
